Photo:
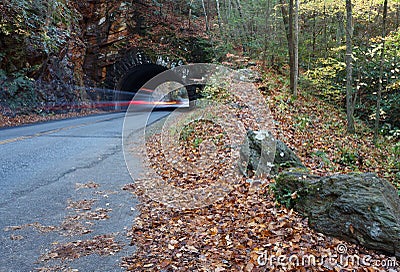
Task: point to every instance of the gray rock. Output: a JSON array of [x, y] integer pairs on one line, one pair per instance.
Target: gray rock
[[248, 75], [285, 158], [359, 208], [265, 155], [257, 154]]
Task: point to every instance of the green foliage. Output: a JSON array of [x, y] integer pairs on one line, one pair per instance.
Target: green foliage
[[248, 29], [32, 35], [215, 93], [197, 141], [366, 72], [193, 49], [395, 154], [19, 91], [284, 197], [391, 133], [327, 79], [33, 30], [367, 67], [186, 132], [302, 122], [348, 158], [322, 155]]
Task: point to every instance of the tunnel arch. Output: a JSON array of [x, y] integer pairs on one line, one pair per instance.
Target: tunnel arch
[[128, 65], [136, 68]]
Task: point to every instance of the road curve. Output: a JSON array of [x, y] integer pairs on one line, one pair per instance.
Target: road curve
[[46, 170]]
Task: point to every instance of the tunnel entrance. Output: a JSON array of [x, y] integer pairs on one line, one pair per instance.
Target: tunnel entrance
[[136, 69], [138, 76], [138, 84]]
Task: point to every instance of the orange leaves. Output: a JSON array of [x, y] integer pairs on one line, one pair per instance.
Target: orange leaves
[[226, 236], [230, 235]]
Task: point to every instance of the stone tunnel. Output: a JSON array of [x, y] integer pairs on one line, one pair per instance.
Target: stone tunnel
[[126, 43], [107, 47], [122, 54], [134, 69]]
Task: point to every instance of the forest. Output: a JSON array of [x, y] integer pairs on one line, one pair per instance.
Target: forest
[[318, 32], [329, 72], [307, 39]]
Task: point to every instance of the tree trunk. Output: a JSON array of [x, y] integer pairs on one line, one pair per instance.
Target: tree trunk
[[287, 16], [291, 45], [325, 32], [314, 34], [296, 48], [379, 96], [190, 13], [349, 69], [267, 32], [205, 15], [369, 21], [340, 28], [245, 35], [219, 17]]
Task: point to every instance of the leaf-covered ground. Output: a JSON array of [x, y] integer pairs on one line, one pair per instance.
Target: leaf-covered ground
[[316, 131], [248, 230], [12, 121]]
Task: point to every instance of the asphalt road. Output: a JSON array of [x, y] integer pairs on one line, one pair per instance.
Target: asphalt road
[[47, 171]]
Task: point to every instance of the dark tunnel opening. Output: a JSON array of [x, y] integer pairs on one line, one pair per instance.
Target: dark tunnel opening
[[138, 76], [143, 77]]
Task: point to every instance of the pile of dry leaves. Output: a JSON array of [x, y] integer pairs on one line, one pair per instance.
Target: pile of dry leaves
[[248, 230], [240, 233]]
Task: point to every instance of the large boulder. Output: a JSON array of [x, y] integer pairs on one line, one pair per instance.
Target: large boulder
[[266, 155], [359, 208]]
